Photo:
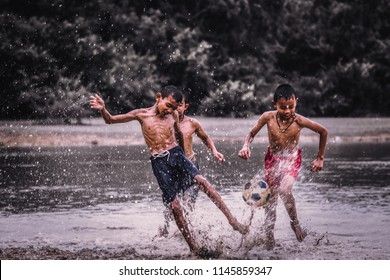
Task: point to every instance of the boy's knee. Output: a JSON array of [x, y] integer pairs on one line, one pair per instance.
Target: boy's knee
[[286, 184], [199, 179], [201, 182], [285, 192], [175, 204]]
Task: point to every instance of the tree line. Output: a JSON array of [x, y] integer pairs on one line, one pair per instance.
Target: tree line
[[227, 55]]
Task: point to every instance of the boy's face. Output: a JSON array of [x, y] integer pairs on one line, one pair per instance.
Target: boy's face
[[286, 107], [166, 105], [182, 107]]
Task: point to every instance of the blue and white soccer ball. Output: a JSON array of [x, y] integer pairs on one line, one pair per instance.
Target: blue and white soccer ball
[[256, 193]]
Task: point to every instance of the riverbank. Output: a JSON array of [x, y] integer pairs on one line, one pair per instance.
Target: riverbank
[[95, 132]]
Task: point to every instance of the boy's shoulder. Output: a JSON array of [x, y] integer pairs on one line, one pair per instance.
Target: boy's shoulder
[[299, 118], [302, 120], [267, 115], [143, 113], [196, 125], [192, 121]]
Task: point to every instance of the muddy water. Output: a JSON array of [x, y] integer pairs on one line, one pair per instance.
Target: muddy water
[[107, 197]]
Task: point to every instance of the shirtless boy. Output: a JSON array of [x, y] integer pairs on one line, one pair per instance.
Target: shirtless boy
[[160, 128], [283, 159], [189, 127]]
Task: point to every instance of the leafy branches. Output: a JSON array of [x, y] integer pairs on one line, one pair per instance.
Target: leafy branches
[[229, 55]]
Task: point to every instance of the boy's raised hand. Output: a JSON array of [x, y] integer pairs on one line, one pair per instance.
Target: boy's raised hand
[[96, 102]]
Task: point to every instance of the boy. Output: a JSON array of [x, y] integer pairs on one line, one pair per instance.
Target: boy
[[189, 127], [160, 128], [283, 158]]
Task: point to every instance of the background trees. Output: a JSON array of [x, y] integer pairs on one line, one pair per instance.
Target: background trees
[[229, 55]]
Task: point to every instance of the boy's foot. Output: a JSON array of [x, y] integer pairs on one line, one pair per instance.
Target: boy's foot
[[163, 231], [299, 232], [270, 241], [243, 229], [205, 253]]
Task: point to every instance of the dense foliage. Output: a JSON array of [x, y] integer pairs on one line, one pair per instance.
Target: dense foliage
[[229, 55]]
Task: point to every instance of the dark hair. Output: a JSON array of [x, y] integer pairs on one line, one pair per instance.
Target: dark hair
[[189, 97], [185, 98], [174, 91], [284, 91]]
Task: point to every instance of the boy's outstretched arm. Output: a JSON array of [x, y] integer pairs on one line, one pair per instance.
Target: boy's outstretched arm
[[318, 163], [96, 102], [208, 142], [245, 152]]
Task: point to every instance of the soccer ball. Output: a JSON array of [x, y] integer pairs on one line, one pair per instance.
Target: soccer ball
[[256, 193]]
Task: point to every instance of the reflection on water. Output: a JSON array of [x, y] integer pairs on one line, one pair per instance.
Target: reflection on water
[[346, 202], [59, 178]]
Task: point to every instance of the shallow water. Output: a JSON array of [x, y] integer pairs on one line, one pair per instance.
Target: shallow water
[[107, 197]]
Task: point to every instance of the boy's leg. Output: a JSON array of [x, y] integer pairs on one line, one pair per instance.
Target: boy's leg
[[285, 191], [209, 190], [182, 224], [164, 230], [270, 218], [189, 197]]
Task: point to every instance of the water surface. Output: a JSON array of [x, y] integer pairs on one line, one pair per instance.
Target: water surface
[[107, 197]]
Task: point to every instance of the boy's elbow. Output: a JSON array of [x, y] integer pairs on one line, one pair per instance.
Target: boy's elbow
[[324, 133]]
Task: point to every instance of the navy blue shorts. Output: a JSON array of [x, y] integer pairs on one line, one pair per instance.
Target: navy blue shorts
[[175, 173], [193, 191]]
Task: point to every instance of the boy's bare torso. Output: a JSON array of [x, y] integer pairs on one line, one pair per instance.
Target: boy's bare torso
[[158, 131], [279, 140]]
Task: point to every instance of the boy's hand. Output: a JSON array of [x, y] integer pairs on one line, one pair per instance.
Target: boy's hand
[[245, 152], [317, 165], [219, 156], [96, 102]]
